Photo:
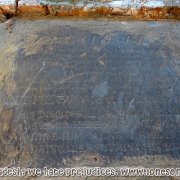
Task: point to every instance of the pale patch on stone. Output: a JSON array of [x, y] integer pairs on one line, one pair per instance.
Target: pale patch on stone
[[7, 2], [137, 3], [101, 90], [34, 44], [154, 4], [118, 3], [7, 56]]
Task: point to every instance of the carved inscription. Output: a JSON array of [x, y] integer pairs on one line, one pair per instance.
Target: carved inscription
[[111, 94]]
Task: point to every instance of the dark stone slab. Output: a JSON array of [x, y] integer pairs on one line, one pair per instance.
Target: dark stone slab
[[100, 97]]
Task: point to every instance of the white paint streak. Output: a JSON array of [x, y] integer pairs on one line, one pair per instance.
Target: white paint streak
[[29, 87], [115, 3], [137, 3], [7, 2], [154, 4]]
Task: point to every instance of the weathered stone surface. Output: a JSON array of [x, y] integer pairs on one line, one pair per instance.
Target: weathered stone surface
[[77, 93], [2, 18]]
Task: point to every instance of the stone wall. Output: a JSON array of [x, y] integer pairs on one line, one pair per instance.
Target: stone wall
[[126, 9]]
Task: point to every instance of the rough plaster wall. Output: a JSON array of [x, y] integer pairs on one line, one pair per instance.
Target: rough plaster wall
[[115, 3]]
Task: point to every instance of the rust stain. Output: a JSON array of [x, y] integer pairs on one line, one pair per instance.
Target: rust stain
[[7, 10], [32, 11], [143, 13], [159, 13]]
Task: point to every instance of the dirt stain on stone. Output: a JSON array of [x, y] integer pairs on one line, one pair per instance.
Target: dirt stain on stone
[[33, 43], [7, 55]]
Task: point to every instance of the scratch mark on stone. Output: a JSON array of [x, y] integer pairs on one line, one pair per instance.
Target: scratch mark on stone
[[140, 40], [15, 102], [165, 38], [93, 39], [127, 40], [173, 84], [29, 87], [74, 76], [130, 103], [84, 39]]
